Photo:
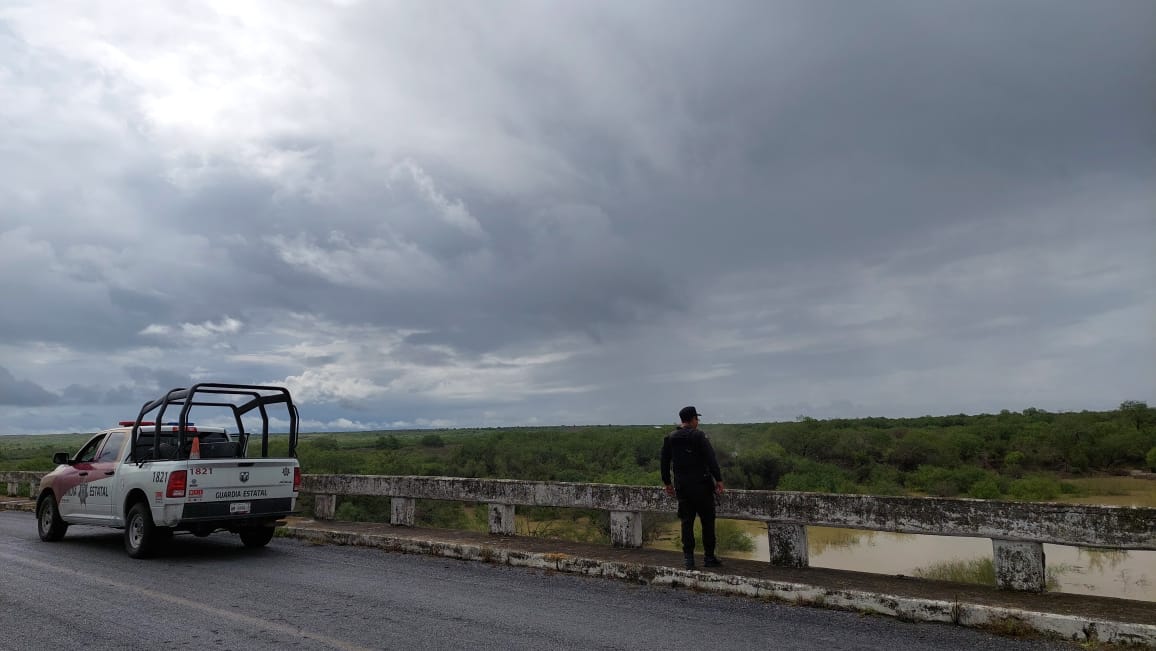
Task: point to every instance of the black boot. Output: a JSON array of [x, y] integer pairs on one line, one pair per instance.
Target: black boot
[[711, 561], [689, 558]]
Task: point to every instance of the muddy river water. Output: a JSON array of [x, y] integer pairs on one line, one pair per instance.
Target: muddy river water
[[1108, 573]]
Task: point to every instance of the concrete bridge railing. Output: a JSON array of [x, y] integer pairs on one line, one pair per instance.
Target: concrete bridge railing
[[1018, 530], [17, 478]]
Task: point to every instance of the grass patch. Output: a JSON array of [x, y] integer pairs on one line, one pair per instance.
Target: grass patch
[[981, 571], [729, 535], [580, 529], [1111, 485]]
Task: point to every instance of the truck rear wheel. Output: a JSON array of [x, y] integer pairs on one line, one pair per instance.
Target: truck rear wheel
[[140, 534], [48, 523], [257, 536]]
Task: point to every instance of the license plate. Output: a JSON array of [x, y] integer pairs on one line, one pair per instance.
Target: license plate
[[239, 507]]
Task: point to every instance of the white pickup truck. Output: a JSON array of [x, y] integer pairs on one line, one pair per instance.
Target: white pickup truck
[[152, 478]]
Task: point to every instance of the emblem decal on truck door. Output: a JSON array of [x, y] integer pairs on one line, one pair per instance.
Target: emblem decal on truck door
[[244, 477]]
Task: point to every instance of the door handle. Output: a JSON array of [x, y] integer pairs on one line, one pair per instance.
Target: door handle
[[110, 472], [83, 474]]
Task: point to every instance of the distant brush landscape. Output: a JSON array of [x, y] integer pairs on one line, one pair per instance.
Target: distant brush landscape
[[1035, 455], [1028, 455]]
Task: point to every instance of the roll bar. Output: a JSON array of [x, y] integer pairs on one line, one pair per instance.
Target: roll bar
[[253, 396]]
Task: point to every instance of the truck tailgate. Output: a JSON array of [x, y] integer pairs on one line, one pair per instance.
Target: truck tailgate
[[238, 488]]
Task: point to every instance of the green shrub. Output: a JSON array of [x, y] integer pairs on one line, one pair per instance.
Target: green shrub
[[349, 512], [432, 441], [882, 479], [442, 514], [815, 477], [985, 489], [946, 482], [387, 443], [916, 449], [1151, 459], [761, 469], [1013, 459], [883, 487], [1034, 488], [732, 538], [1079, 461], [362, 508], [327, 444]]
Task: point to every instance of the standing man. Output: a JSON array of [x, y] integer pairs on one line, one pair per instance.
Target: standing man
[[696, 481]]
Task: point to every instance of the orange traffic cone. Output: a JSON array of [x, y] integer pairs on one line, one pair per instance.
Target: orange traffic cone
[[195, 453]]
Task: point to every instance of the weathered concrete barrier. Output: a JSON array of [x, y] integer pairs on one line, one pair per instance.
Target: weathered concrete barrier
[[1018, 530], [15, 478]]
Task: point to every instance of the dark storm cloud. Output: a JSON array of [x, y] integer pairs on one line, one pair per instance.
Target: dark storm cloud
[[157, 379], [23, 393], [807, 203], [898, 119]]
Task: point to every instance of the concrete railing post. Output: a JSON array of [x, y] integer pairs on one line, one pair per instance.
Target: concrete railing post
[[401, 511], [324, 506], [502, 519], [626, 528], [1019, 565], [788, 544], [13, 488], [32, 486]]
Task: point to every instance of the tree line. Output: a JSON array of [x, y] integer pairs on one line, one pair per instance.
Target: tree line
[[1019, 455], [1024, 455]]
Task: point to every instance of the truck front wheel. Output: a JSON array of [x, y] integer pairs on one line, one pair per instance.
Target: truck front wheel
[[48, 523], [140, 534], [257, 536]]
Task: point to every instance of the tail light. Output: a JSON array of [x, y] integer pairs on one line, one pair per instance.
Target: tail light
[[297, 479], [177, 481]]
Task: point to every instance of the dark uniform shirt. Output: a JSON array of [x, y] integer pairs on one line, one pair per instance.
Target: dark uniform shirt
[[688, 451]]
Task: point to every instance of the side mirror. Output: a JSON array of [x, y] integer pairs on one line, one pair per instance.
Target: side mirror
[[60, 458]]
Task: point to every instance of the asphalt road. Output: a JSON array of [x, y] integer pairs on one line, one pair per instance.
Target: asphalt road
[[212, 593]]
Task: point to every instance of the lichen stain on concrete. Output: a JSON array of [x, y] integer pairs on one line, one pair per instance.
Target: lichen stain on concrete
[[1083, 525], [1020, 565]]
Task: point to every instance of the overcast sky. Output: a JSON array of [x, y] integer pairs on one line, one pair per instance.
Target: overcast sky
[[461, 214]]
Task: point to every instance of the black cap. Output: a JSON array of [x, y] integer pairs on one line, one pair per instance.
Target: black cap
[[688, 413]]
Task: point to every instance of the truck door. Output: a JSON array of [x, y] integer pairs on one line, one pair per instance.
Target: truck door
[[72, 485], [102, 477]]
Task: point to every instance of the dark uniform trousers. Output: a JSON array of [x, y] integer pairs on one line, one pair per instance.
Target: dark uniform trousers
[[696, 498]]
